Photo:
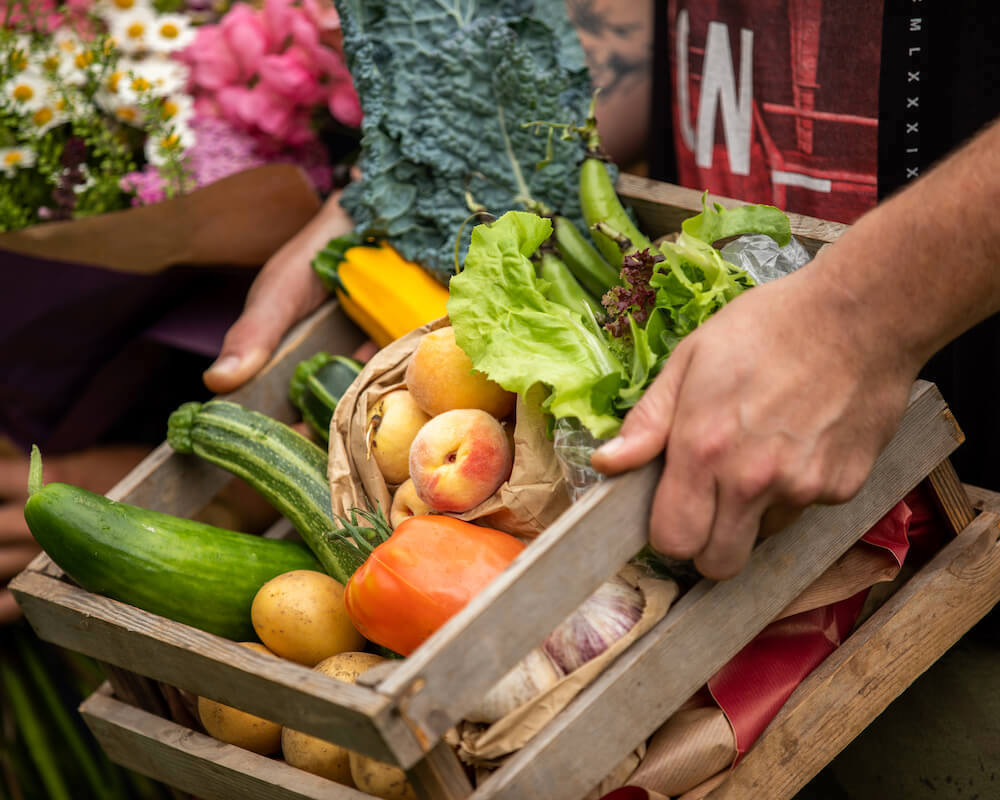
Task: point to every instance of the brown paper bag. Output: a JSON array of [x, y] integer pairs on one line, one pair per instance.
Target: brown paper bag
[[490, 745], [528, 502], [240, 220], [692, 746]]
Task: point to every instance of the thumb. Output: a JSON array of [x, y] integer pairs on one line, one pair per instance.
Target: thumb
[[647, 425], [280, 296], [284, 291]]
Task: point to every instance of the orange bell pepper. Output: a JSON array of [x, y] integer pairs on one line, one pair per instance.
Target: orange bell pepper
[[420, 577]]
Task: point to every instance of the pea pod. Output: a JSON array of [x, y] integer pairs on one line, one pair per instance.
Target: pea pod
[[599, 203], [563, 288], [583, 260]]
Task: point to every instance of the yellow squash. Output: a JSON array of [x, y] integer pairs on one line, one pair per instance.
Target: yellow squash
[[386, 295]]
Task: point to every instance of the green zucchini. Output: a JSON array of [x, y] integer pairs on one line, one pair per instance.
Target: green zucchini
[[286, 468], [317, 386], [184, 570]]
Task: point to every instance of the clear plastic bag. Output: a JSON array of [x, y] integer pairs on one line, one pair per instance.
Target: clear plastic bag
[[573, 445], [761, 257]]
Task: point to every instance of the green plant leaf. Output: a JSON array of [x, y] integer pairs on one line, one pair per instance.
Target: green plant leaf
[[447, 87]]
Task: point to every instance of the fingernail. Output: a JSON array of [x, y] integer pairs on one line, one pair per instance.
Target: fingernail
[[225, 365], [611, 447]]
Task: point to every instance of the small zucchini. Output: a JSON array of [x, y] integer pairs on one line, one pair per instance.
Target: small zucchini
[[184, 570], [287, 469], [317, 386]]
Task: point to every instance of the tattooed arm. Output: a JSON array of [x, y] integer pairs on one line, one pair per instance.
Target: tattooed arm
[[617, 38]]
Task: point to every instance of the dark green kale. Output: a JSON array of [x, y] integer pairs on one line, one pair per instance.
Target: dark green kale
[[447, 87]]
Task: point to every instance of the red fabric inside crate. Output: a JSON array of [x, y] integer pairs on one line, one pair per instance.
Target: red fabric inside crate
[[751, 688]]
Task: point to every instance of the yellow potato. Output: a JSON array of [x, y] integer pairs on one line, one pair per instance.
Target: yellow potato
[[233, 726], [380, 779], [300, 615], [317, 755]]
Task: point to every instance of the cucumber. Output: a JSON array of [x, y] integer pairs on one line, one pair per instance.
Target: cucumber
[[287, 469], [317, 386], [184, 570]]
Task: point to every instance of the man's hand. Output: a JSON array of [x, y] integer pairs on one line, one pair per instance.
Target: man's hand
[[779, 400], [97, 469], [285, 291]]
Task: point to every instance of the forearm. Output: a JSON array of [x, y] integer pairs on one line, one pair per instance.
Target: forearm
[[924, 266], [617, 39]]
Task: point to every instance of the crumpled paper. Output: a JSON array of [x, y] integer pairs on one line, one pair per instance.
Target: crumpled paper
[[530, 500]]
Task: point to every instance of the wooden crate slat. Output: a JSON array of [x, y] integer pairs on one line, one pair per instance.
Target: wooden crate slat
[[873, 666], [182, 485], [208, 665], [453, 669], [440, 776], [950, 497], [662, 207], [712, 622], [193, 762]]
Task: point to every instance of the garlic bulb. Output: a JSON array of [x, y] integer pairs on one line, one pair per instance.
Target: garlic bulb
[[602, 619], [532, 675]]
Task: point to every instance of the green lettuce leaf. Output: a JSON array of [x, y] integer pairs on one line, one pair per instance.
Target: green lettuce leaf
[[517, 337], [446, 88], [716, 222]]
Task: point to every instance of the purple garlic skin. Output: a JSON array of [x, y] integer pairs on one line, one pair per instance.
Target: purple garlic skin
[[602, 619]]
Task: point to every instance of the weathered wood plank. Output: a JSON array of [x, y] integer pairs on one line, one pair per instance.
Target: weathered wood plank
[[207, 768], [874, 666], [181, 485], [662, 207], [208, 665], [982, 499], [712, 622], [950, 497], [465, 657], [440, 776]]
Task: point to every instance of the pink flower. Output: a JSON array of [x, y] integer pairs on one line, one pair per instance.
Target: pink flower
[[277, 16], [267, 71], [345, 105], [247, 37], [289, 75], [213, 65], [323, 15]]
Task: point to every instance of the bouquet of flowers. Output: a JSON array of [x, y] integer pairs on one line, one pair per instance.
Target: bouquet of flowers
[[111, 103]]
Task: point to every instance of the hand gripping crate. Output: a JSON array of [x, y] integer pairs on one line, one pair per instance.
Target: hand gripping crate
[[400, 712]]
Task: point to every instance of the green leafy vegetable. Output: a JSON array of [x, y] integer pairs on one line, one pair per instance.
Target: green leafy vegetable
[[715, 222], [505, 324], [509, 329], [447, 87]]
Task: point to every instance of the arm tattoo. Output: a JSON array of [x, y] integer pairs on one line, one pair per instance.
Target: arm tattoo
[[616, 49]]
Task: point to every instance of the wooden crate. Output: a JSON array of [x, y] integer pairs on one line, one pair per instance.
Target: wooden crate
[[845, 693], [400, 715]]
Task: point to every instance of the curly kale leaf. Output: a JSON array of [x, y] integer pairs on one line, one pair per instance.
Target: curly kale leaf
[[446, 87]]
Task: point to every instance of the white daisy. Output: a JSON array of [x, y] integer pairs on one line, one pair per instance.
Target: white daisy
[[14, 158], [50, 114], [122, 107], [60, 59], [172, 32], [178, 108], [110, 9], [21, 53], [163, 75], [26, 91], [133, 31], [177, 140]]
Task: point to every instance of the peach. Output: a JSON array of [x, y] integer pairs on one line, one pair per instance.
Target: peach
[[406, 504], [392, 423], [441, 378], [459, 458]]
